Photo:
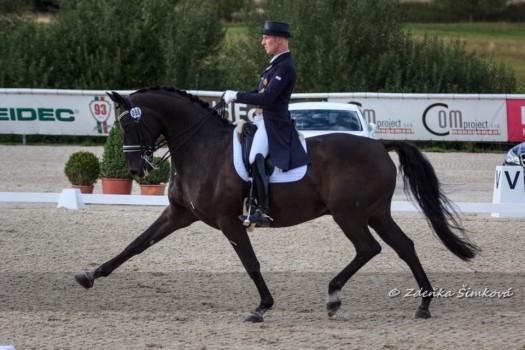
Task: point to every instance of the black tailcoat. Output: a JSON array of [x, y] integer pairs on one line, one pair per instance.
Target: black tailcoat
[[273, 96]]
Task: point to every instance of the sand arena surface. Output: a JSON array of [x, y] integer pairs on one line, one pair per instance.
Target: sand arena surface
[[190, 291]]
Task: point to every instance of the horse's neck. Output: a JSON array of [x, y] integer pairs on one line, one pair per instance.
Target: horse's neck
[[208, 143]]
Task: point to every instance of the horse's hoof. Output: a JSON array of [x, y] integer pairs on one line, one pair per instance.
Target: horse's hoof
[[333, 307], [253, 317], [85, 279], [333, 303], [422, 314]]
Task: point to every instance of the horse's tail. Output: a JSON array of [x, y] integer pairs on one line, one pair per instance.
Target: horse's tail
[[419, 174]]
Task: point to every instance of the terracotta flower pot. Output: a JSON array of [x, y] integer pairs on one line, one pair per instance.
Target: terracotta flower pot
[[116, 186], [153, 190], [84, 189]]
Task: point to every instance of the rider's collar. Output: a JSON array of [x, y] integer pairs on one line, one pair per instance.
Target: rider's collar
[[275, 57]]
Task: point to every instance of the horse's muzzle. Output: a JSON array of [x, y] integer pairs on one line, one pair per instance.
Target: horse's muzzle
[[136, 172]]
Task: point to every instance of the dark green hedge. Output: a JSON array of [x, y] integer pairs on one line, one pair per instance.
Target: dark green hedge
[[338, 46]]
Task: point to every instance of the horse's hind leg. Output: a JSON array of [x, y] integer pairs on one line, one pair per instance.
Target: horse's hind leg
[[390, 232], [171, 219], [366, 248]]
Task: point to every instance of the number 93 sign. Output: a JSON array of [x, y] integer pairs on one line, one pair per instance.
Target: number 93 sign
[[100, 110]]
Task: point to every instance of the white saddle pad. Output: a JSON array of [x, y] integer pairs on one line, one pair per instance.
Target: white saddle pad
[[277, 176]]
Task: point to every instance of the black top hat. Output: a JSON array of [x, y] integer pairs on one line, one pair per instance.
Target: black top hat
[[276, 28]]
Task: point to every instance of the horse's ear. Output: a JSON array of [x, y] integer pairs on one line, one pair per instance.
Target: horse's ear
[[115, 97]]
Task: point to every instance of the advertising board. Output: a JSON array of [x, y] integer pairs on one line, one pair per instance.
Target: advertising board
[[417, 117]]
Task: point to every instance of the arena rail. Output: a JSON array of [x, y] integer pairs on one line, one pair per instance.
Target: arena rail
[[72, 199]]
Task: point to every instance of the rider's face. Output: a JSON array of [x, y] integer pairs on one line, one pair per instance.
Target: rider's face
[[271, 44]]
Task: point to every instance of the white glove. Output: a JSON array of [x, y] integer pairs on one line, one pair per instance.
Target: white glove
[[230, 96]]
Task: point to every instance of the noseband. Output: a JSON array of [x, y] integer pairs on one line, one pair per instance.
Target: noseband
[[147, 151]]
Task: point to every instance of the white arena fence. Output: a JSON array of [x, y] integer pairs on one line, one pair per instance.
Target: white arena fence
[[508, 197], [72, 199], [416, 117]]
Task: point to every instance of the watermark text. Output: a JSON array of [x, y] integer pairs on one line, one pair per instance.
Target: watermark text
[[462, 293]]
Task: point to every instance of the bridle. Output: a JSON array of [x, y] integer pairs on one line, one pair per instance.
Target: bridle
[[135, 113]]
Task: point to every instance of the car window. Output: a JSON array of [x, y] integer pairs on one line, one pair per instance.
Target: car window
[[322, 119]]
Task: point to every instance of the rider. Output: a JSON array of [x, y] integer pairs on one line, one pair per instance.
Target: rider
[[276, 135]]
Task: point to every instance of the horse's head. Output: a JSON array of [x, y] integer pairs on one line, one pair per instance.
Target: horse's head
[[139, 138]]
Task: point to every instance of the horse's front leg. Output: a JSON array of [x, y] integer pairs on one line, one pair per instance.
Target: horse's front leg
[[238, 237], [171, 219]]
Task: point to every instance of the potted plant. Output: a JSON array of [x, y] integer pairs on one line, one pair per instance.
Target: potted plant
[[154, 183], [116, 178], [82, 170]]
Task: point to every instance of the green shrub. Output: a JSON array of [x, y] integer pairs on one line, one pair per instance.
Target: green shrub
[[89, 54], [82, 168], [156, 176], [113, 163]]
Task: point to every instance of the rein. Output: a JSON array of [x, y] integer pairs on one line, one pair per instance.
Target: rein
[[148, 151]]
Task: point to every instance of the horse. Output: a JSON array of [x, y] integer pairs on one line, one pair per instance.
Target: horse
[[351, 178]]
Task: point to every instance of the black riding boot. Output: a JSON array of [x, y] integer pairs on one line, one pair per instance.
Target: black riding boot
[[260, 218]]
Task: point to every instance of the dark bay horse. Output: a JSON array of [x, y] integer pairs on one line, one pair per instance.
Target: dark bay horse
[[351, 178]]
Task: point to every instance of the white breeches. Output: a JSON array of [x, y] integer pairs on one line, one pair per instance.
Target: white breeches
[[260, 140]]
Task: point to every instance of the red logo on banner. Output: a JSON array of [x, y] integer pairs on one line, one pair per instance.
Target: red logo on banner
[[100, 110], [516, 120]]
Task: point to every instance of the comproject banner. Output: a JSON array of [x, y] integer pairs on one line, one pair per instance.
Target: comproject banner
[[82, 113], [442, 118]]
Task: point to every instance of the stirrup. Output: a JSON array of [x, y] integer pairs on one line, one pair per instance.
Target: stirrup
[[258, 218]]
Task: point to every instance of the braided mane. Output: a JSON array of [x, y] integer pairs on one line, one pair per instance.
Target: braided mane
[[185, 94]]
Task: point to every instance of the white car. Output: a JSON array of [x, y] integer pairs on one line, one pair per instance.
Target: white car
[[516, 155], [319, 118]]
